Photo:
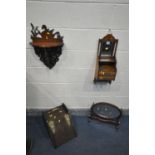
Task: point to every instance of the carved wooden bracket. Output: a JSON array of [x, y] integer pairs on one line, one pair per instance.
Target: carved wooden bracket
[[47, 44]]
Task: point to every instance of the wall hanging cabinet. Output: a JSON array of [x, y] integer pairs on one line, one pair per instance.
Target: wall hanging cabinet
[[106, 60]]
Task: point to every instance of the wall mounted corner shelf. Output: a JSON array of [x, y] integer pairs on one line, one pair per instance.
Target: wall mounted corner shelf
[[47, 45]]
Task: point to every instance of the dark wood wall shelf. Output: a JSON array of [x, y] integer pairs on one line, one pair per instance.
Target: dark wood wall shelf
[[47, 45]]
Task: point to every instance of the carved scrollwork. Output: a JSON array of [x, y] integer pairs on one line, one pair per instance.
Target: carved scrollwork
[[47, 45]]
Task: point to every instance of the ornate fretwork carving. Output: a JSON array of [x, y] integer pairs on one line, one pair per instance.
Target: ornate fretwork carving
[[47, 44]]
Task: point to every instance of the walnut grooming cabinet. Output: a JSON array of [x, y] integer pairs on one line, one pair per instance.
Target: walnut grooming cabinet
[[106, 61]]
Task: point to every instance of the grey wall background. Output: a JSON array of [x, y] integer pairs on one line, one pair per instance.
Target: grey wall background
[[81, 23]]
